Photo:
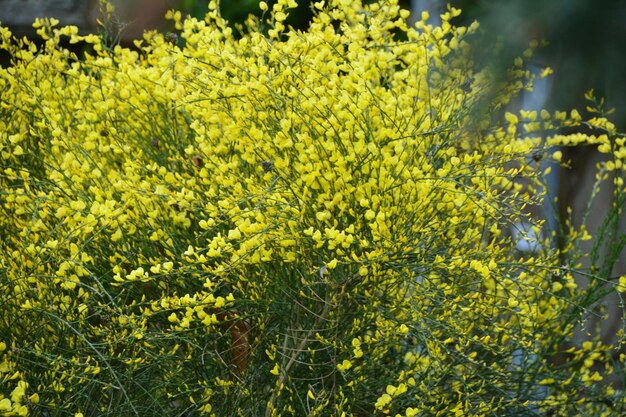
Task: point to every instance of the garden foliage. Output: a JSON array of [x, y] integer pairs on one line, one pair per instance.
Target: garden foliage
[[285, 223]]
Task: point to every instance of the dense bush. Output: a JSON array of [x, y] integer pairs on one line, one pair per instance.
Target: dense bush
[[285, 223]]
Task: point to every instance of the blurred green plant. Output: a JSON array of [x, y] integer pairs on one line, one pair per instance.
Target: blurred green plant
[[237, 11], [234, 11]]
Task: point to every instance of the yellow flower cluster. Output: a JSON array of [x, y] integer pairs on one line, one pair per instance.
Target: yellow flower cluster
[[277, 222]]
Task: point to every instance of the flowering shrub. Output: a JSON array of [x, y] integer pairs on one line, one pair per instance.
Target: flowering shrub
[[284, 223]]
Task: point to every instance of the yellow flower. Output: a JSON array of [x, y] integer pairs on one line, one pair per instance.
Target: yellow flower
[[5, 404], [344, 366], [275, 370], [546, 71]]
